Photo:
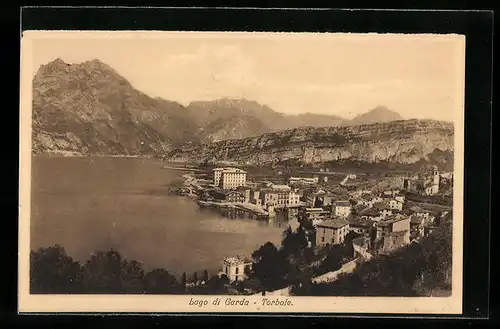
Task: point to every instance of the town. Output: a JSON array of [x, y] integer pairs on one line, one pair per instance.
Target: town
[[375, 216]]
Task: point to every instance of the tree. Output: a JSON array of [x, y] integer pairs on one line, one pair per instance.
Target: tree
[[53, 271], [332, 262], [294, 242], [108, 272], [205, 275], [195, 277], [217, 285], [184, 279], [270, 266], [160, 281], [318, 203], [348, 242]]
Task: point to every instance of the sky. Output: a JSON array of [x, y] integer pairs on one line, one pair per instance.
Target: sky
[[340, 74]]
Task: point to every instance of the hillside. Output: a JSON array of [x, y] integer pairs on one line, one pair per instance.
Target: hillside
[[405, 142], [89, 108]]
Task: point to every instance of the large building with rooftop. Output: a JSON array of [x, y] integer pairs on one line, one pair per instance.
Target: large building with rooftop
[[229, 178], [331, 231]]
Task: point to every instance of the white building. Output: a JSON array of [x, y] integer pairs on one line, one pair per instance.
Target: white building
[[332, 231], [217, 175], [341, 208], [234, 268], [293, 198], [395, 204], [229, 178], [304, 180]]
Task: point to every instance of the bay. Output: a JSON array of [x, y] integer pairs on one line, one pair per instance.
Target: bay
[[95, 203]]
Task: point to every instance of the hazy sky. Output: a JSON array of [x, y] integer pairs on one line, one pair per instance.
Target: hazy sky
[[338, 74]]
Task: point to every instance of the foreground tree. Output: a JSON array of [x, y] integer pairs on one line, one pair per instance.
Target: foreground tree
[[160, 281], [52, 271], [108, 272], [270, 267]]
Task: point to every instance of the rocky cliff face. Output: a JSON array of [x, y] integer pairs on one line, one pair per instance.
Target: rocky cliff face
[[404, 142], [89, 108]]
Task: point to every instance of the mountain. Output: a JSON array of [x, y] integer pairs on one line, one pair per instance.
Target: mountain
[[89, 108], [401, 142], [377, 115], [234, 114]]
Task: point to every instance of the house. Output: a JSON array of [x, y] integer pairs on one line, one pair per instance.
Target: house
[[400, 198], [395, 240], [360, 226], [372, 214], [304, 180], [417, 224], [368, 200], [268, 197], [383, 208], [341, 208], [314, 214], [360, 192], [246, 192], [255, 197], [228, 196], [397, 223], [229, 178], [332, 231], [395, 204], [311, 196], [293, 198], [426, 182], [357, 209], [235, 267]]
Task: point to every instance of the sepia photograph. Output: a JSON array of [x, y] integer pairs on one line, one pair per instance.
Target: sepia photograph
[[241, 172]]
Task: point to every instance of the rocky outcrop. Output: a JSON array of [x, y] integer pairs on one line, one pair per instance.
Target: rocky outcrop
[[90, 109], [405, 142]]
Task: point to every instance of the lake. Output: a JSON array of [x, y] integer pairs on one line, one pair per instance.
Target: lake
[[96, 203]]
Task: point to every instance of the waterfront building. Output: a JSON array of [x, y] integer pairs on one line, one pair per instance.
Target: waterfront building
[[332, 231], [293, 198], [268, 197], [235, 267], [246, 192], [229, 178], [217, 174], [228, 196]]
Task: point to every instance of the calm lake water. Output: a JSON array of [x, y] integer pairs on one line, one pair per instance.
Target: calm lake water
[[88, 204]]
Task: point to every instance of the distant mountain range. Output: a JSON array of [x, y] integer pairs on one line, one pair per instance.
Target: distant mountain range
[[89, 108]]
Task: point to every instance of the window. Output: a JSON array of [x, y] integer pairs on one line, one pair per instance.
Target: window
[[237, 270], [323, 239]]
